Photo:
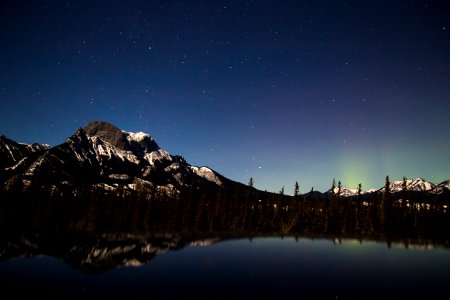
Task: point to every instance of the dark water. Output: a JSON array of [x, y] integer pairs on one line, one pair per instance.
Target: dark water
[[266, 267]]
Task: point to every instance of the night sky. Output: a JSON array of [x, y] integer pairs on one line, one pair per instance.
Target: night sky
[[280, 91]]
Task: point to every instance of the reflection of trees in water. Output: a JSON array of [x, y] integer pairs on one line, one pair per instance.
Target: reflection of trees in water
[[242, 211], [98, 253]]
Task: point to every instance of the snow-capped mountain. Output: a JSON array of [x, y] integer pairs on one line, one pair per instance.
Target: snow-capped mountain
[[346, 192], [443, 187], [414, 185], [12, 153], [417, 184], [102, 153]]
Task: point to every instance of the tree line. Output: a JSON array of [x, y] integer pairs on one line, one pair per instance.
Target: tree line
[[243, 210]]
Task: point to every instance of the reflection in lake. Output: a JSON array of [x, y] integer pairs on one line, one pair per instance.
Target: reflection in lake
[[134, 266]]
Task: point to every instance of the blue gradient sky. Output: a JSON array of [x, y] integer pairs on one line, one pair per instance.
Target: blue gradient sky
[[280, 91]]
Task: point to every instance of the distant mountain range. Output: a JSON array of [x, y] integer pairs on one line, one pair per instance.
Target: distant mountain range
[[104, 155], [414, 185]]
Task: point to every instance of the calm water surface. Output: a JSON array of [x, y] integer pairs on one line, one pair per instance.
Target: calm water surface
[[242, 268]]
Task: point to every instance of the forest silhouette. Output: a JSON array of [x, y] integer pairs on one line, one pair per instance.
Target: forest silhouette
[[242, 211]]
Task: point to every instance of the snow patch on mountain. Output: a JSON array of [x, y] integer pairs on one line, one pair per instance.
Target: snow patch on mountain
[[346, 192], [105, 149], [35, 147], [207, 173], [123, 177], [36, 165], [20, 162], [442, 187], [445, 184], [417, 184], [136, 136], [158, 155], [11, 153]]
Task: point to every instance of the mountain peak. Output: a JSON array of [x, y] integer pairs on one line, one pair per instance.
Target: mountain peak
[[139, 142], [416, 184], [80, 132], [107, 132], [101, 125]]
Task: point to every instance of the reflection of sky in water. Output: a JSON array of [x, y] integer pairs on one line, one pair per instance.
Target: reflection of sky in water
[[263, 265], [270, 264]]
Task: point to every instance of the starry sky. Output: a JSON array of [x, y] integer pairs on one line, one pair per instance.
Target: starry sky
[[280, 91]]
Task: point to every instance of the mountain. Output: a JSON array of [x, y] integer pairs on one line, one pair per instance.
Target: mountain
[[443, 187], [346, 192], [12, 153], [416, 185], [413, 185], [101, 153], [16, 157]]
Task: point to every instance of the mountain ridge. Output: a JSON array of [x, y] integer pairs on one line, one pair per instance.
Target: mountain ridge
[[100, 153]]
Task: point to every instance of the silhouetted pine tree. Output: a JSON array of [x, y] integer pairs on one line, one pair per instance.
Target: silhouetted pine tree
[[333, 186], [385, 211], [358, 208], [339, 188], [404, 185], [296, 189], [404, 192], [387, 186]]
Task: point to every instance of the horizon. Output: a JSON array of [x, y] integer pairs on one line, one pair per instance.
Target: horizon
[[286, 190]]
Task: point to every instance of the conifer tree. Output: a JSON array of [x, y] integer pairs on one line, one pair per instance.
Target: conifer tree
[[404, 190], [333, 186], [387, 186], [339, 188], [296, 189], [250, 182], [311, 194], [387, 194], [404, 185]]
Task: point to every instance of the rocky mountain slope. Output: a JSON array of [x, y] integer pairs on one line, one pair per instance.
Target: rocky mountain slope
[[102, 153]]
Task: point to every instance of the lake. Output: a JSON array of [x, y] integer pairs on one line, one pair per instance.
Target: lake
[[210, 268]]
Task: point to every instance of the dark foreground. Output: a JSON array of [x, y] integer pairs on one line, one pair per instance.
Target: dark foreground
[[143, 246]]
